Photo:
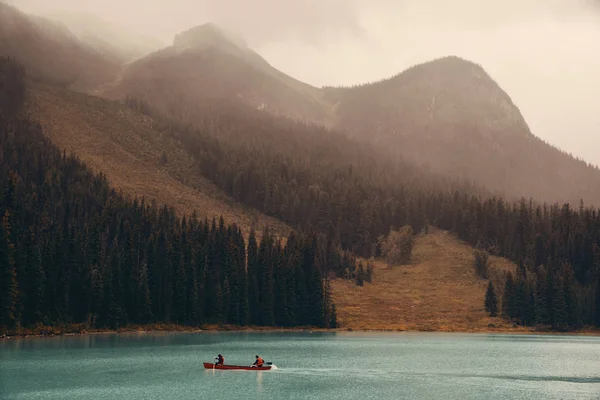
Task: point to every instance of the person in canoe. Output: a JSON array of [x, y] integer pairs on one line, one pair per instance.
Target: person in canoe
[[259, 362], [219, 360]]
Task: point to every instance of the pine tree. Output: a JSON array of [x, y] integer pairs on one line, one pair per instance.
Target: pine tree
[[180, 293], [360, 275], [301, 291], [8, 279], [114, 290], [224, 302], [509, 297], [333, 317], [560, 318], [33, 285], [314, 283], [491, 302], [265, 274], [481, 263], [253, 280], [597, 303], [571, 299], [370, 272], [143, 303], [542, 316]]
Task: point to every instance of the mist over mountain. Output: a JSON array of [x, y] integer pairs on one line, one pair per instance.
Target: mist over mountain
[[436, 157], [50, 51], [206, 65], [451, 116], [447, 115], [107, 38]]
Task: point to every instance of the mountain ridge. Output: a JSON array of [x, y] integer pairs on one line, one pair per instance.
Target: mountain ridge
[[447, 114], [210, 66], [346, 191]]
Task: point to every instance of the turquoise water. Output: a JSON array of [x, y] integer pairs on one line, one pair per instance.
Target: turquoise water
[[309, 366]]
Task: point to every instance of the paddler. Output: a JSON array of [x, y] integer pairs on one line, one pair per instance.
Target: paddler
[[259, 362], [219, 360]]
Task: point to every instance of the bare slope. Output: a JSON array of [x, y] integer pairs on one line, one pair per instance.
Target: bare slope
[[123, 145], [438, 291]]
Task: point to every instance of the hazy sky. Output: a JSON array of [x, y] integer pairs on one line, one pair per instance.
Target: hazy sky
[[544, 53]]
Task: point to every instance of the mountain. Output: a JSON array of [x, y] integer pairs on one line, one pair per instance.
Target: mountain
[[206, 65], [195, 141], [107, 38], [449, 115], [51, 52]]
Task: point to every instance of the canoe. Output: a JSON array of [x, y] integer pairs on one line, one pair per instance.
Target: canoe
[[238, 367]]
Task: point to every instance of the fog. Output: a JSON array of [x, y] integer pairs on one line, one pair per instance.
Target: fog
[[544, 53]]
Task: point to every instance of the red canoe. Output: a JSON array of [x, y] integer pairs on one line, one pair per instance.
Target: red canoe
[[239, 367]]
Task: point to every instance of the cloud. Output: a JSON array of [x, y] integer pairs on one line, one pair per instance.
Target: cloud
[[259, 21], [262, 21], [544, 53]]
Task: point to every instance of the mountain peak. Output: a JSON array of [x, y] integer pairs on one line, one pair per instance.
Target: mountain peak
[[450, 67], [209, 35]]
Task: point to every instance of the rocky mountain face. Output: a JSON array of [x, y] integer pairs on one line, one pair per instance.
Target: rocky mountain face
[[450, 115], [205, 66]]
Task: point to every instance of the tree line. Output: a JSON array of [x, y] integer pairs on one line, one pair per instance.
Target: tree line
[[557, 282], [70, 246], [315, 179], [73, 250]]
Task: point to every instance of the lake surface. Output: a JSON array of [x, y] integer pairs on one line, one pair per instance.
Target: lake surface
[[309, 366]]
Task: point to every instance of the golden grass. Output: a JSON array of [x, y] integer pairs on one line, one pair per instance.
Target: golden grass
[[113, 139], [438, 291]]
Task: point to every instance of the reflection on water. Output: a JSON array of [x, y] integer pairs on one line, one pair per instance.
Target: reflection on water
[[259, 378]]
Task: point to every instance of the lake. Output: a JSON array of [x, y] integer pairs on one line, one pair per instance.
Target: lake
[[309, 366]]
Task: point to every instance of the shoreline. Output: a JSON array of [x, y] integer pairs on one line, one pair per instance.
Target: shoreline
[[76, 330]]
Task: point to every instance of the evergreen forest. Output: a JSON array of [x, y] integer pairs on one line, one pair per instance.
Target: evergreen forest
[[73, 250]]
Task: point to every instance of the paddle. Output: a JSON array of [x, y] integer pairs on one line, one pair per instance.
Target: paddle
[[267, 363]]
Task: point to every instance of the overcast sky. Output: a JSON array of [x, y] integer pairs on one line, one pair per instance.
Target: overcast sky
[[544, 53]]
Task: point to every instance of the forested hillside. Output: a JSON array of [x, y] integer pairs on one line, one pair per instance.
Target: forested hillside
[[311, 178], [340, 187], [136, 156], [72, 250]]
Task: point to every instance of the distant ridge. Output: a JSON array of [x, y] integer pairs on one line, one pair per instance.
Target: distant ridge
[[451, 116], [207, 35], [206, 65], [51, 52]]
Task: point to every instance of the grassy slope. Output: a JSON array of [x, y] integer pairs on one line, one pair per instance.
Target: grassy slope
[[122, 144], [438, 291]]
